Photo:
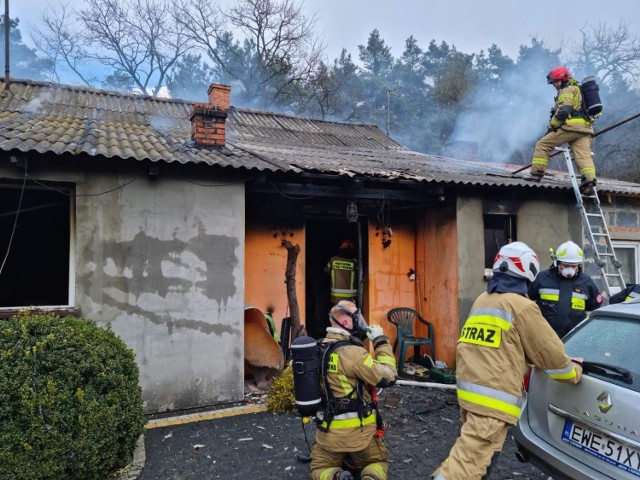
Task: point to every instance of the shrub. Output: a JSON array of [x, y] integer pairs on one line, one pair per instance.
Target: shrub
[[70, 402], [281, 396]]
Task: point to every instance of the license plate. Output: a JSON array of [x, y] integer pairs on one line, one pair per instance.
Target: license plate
[[604, 448]]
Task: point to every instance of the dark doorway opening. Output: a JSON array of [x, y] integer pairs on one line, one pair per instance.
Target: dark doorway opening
[[322, 240]]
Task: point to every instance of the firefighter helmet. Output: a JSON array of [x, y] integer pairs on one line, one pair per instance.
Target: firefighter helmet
[[569, 252], [516, 259], [346, 244], [558, 73]]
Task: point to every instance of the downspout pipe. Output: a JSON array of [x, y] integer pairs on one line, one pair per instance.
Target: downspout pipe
[[7, 28]]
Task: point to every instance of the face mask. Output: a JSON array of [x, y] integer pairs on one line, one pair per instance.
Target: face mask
[[359, 329], [568, 272]]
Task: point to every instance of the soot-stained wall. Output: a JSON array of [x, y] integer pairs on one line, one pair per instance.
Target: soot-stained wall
[[162, 262]]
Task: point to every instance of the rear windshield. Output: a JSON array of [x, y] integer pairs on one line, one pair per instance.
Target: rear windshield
[[609, 340]]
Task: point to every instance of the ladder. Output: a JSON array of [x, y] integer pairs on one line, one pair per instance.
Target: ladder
[[596, 228]]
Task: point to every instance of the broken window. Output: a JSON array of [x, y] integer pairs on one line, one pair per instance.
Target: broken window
[[35, 245], [498, 231]]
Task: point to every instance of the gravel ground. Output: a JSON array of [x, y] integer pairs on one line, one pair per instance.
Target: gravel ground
[[423, 425]]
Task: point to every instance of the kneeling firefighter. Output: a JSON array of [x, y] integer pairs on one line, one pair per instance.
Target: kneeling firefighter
[[335, 379]]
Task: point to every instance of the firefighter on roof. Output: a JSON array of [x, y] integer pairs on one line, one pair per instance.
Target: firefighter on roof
[[349, 423], [342, 269], [503, 334], [564, 292], [569, 123]]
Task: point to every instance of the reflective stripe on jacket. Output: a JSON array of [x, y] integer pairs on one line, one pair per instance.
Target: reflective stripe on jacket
[[343, 277], [350, 363], [564, 302], [632, 292], [567, 110], [503, 334]]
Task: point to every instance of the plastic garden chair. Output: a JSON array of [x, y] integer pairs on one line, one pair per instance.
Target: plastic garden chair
[[404, 319]]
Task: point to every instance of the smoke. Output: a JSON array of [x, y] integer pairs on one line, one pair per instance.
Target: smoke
[[36, 105], [509, 117]]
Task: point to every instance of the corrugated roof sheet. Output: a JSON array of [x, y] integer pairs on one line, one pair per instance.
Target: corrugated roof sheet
[[51, 118]]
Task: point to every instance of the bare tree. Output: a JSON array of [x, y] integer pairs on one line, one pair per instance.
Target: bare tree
[[609, 52], [278, 48], [61, 43], [139, 39]]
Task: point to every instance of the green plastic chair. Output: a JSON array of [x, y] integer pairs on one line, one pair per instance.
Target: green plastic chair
[[404, 319]]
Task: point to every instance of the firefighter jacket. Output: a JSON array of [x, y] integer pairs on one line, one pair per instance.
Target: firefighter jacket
[[632, 292], [564, 302], [567, 112], [343, 278], [348, 364], [503, 334]]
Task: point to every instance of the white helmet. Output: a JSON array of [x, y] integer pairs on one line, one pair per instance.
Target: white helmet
[[517, 260], [569, 252]]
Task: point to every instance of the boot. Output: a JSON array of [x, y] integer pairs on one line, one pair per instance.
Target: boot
[[343, 475], [534, 177], [586, 187]]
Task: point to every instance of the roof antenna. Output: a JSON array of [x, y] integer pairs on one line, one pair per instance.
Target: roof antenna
[[390, 92], [7, 27]]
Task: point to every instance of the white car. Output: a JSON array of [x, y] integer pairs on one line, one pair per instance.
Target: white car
[[590, 430]]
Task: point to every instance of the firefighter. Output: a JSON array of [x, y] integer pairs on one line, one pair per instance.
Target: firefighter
[[631, 292], [342, 269], [349, 424], [564, 292], [502, 336], [571, 124]]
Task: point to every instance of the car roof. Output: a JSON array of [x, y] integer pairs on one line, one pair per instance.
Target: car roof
[[629, 309]]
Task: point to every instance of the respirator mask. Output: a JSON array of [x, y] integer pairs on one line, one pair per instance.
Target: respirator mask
[[568, 271], [359, 329]]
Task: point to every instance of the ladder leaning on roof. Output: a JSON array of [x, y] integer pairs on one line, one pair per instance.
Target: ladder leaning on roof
[[596, 227]]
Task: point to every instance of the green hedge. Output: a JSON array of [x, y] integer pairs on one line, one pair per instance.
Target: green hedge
[[70, 401]]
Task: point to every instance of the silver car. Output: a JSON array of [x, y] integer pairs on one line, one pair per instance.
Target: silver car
[[590, 430]]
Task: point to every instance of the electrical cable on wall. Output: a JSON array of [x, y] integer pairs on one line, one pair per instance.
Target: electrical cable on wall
[[15, 222]]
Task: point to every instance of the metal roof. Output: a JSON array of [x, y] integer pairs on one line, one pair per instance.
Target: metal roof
[[62, 119]]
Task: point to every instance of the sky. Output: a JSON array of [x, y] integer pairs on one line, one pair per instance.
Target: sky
[[470, 25]]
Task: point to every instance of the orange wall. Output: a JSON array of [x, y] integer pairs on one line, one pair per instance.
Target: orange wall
[[388, 280], [425, 242], [265, 263], [437, 272]]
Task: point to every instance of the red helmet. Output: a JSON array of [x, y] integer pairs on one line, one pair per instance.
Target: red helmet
[[346, 244], [559, 73]]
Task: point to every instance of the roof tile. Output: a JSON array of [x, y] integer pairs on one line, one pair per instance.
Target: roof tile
[[53, 118]]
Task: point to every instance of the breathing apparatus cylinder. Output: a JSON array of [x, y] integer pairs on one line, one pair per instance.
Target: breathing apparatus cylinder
[[591, 96], [306, 375]]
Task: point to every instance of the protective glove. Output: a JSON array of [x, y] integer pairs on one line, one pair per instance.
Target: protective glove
[[374, 331]]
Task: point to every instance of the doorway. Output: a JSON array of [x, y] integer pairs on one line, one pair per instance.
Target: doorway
[[322, 240]]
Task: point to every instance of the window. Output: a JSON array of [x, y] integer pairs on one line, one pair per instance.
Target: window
[[627, 253], [498, 231], [36, 239], [610, 340]]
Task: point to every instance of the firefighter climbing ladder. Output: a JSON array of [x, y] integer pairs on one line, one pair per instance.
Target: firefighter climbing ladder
[[596, 227]]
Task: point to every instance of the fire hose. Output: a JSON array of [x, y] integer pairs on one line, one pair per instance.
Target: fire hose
[[604, 130]]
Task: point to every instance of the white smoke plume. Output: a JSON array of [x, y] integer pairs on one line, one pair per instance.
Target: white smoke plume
[[507, 120]]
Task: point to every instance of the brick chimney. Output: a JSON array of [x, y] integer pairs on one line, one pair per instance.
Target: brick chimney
[[208, 119]]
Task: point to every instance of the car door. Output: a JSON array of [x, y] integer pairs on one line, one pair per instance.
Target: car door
[[596, 422]]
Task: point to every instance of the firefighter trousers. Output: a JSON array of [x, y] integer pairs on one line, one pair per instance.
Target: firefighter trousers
[[481, 439], [371, 463], [580, 144]]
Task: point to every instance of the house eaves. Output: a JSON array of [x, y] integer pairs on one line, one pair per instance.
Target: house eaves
[[58, 119]]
